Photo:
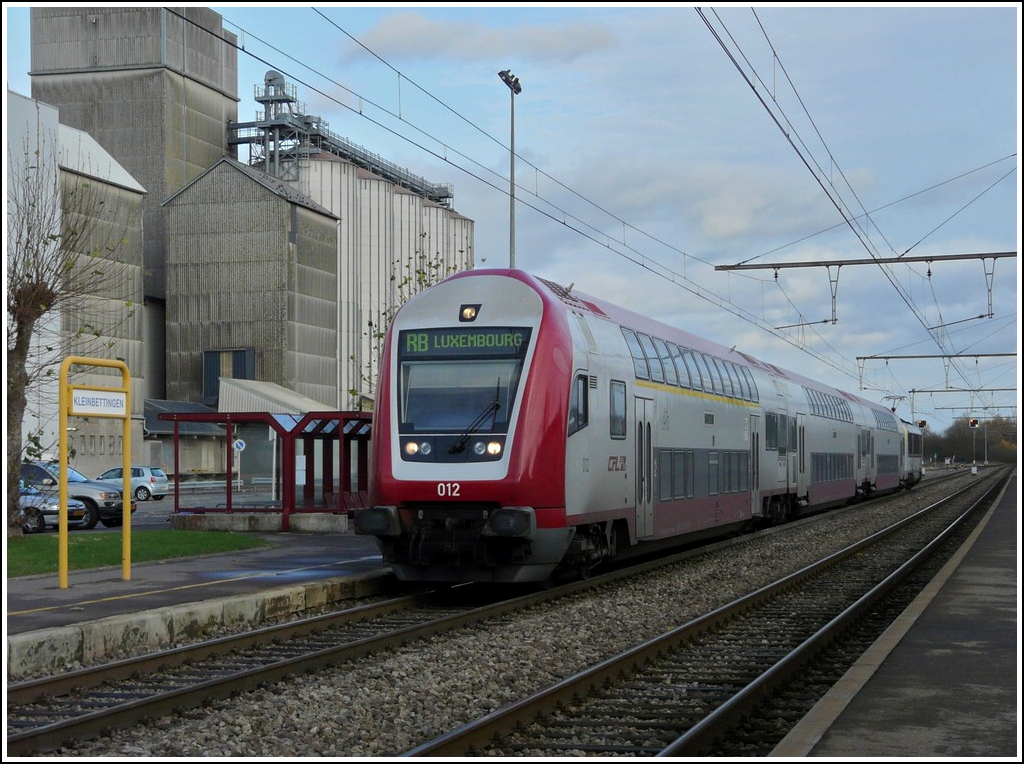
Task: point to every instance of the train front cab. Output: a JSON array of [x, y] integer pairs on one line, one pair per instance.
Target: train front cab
[[469, 449]]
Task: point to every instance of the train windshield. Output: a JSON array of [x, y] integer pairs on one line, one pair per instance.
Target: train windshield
[[451, 380]]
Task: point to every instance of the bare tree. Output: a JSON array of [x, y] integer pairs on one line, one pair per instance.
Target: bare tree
[[65, 232], [408, 278]]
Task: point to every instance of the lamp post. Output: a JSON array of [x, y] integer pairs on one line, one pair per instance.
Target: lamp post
[[515, 89]]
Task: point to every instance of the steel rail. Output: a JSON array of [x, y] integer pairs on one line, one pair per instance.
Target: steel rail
[[484, 733]]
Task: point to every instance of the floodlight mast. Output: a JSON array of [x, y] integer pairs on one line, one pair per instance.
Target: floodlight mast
[[514, 89]]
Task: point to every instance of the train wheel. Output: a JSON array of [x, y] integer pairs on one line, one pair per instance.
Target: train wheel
[[619, 538]]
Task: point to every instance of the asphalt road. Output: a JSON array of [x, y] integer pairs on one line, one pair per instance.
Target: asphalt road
[[154, 515]]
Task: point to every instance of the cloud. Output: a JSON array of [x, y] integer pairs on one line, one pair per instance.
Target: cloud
[[416, 36]]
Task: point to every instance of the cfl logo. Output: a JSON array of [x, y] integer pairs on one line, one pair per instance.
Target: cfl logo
[[616, 463]]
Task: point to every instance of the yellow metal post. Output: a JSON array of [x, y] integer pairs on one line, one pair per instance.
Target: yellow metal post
[[69, 406]]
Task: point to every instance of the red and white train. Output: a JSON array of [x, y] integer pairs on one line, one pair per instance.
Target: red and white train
[[522, 427]]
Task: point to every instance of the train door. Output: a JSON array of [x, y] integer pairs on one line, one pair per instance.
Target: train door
[[801, 456], [644, 468], [755, 465]]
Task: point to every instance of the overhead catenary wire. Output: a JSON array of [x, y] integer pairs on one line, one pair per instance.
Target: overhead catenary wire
[[788, 129], [616, 245]]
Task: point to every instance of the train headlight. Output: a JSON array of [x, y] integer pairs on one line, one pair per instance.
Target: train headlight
[[378, 521], [511, 522], [487, 450], [413, 449]]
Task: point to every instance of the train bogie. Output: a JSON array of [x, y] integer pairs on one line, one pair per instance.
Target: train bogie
[[521, 427]]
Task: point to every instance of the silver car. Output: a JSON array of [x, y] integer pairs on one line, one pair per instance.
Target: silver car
[[147, 482], [103, 501], [40, 511]]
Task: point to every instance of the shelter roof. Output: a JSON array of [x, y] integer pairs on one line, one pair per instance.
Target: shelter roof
[[154, 425], [251, 395]]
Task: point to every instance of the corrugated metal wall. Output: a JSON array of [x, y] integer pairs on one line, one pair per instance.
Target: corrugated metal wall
[[386, 233], [153, 89], [157, 94], [135, 38], [107, 323], [248, 268]]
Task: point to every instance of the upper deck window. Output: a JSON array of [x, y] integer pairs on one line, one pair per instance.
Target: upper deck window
[[657, 373], [640, 367]]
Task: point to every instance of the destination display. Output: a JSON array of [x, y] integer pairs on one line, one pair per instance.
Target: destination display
[[490, 341]]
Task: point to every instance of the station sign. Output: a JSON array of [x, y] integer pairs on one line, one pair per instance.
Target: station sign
[[86, 402]]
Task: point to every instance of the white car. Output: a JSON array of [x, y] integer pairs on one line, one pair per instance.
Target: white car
[[147, 482]]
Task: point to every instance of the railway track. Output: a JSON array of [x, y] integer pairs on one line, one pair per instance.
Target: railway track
[[48, 714], [733, 682]]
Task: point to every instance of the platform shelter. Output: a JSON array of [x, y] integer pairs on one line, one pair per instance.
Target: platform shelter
[[271, 464]]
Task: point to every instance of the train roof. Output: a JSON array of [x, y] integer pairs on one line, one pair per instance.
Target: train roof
[[631, 319]]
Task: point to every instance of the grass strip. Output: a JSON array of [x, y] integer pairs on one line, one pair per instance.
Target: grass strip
[[38, 553]]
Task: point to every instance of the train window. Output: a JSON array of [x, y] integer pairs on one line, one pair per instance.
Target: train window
[[682, 373], [734, 376], [617, 409], [696, 378], [657, 373], [771, 431], [682, 474], [750, 381], [639, 360], [782, 434], [744, 383], [579, 406], [711, 382], [665, 475], [738, 383], [666, 361], [819, 403], [431, 401], [453, 379], [727, 387]]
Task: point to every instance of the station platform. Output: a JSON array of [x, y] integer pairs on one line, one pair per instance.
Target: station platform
[[942, 682], [100, 613]]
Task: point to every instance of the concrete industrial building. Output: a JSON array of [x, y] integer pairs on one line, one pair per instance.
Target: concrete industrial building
[[56, 170], [279, 280]]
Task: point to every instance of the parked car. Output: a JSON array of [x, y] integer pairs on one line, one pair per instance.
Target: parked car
[[103, 501], [147, 482], [39, 511]]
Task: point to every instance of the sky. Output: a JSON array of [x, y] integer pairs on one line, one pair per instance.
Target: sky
[[657, 146]]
